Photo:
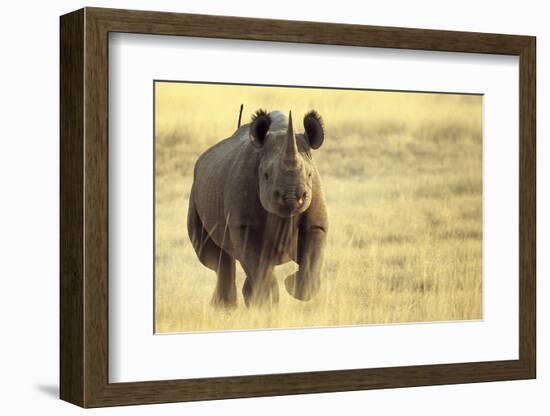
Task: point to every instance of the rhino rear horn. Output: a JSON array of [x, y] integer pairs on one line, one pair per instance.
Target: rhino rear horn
[[259, 127], [313, 125]]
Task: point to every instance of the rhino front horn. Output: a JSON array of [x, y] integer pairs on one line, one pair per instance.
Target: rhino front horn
[[290, 150]]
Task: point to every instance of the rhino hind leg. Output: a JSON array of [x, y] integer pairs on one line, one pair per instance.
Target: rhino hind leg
[[225, 294], [215, 258]]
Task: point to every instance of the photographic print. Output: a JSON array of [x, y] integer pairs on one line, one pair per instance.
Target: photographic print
[[296, 207]]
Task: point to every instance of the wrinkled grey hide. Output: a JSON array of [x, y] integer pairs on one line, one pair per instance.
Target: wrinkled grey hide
[[257, 198]]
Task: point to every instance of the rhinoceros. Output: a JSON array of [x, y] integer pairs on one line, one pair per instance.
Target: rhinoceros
[[256, 198]]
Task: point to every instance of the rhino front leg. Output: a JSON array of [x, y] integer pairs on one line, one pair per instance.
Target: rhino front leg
[[260, 287], [261, 294], [306, 282]]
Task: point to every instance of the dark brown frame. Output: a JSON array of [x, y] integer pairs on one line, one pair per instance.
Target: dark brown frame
[[84, 207]]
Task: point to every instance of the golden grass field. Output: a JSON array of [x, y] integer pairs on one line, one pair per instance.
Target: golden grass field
[[402, 175]]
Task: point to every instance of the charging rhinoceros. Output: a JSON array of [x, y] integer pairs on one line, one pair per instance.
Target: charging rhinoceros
[[256, 198]]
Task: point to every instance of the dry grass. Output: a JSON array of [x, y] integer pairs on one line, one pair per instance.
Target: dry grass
[[402, 177]]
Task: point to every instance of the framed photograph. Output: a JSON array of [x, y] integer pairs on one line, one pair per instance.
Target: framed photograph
[[255, 207]]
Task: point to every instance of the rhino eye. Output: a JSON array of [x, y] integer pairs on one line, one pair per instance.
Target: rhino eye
[[309, 175], [266, 176]]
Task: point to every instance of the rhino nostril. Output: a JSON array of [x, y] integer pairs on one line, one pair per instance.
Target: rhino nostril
[[277, 194], [304, 195]]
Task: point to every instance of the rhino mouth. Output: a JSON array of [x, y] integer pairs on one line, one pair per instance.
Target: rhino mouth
[[288, 212]]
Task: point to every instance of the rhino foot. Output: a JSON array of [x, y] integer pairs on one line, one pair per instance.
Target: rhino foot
[[265, 297], [301, 290], [223, 302]]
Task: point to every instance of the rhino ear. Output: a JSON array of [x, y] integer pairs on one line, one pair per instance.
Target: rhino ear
[[313, 124], [259, 127]]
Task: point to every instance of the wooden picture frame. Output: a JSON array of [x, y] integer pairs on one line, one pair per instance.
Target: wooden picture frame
[[84, 207]]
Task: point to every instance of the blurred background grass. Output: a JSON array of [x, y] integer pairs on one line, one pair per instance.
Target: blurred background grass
[[402, 175]]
